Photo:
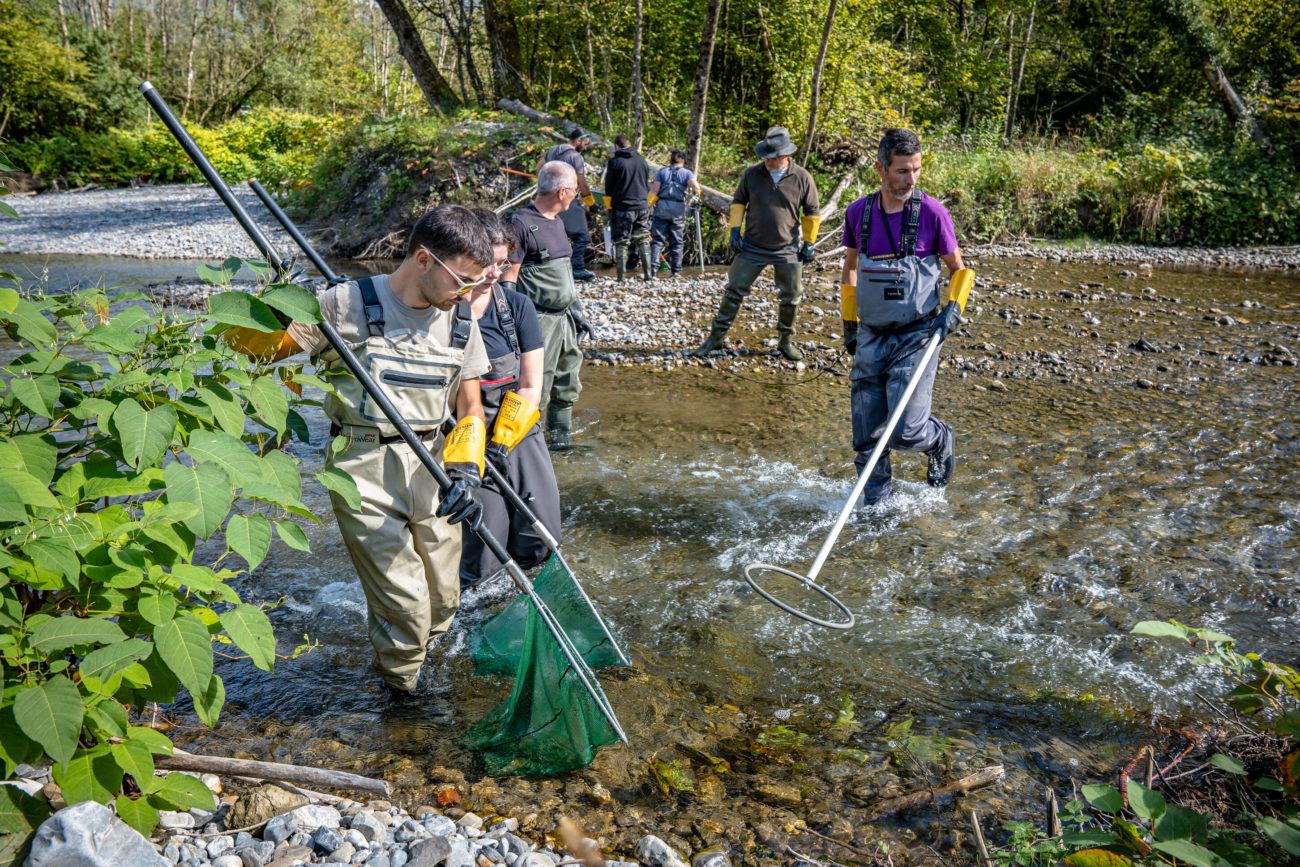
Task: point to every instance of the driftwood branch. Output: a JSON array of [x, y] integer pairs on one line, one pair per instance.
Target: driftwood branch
[[715, 200], [183, 761], [833, 203], [983, 848], [978, 780]]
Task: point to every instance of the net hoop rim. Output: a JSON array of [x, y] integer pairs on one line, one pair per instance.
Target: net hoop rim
[[847, 623]]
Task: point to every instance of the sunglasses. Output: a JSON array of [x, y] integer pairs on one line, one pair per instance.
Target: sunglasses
[[463, 284]]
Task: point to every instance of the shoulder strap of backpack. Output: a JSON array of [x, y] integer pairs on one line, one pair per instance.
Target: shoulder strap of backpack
[[460, 327], [506, 317], [541, 248], [864, 231], [370, 303]]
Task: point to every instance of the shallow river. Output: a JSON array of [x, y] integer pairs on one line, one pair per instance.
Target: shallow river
[[993, 615]]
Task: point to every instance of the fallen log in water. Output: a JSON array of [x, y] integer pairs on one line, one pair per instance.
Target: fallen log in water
[[977, 780], [183, 761]]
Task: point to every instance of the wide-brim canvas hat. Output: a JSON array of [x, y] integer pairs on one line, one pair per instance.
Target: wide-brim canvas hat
[[775, 144]]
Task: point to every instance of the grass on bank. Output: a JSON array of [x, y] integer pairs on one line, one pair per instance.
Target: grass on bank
[[1176, 192]]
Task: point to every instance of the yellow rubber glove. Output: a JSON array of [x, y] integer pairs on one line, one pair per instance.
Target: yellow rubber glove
[[609, 203], [514, 420], [737, 216], [652, 198], [959, 287], [810, 225], [848, 302], [465, 446], [589, 200], [262, 345]]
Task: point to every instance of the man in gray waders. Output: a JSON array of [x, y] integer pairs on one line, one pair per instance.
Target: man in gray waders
[[627, 189], [417, 336], [542, 273], [671, 186], [575, 215], [777, 202], [896, 238]]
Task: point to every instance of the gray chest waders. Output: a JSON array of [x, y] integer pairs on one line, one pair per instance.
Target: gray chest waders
[[897, 291], [421, 377]]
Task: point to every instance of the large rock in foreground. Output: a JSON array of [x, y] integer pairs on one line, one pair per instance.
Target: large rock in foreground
[[89, 835]]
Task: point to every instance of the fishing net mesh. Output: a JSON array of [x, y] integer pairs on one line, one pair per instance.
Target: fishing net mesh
[[550, 723]]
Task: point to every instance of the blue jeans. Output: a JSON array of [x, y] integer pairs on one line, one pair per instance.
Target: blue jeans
[[579, 257]]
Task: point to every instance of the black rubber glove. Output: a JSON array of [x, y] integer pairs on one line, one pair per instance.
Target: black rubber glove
[[807, 253], [737, 242], [458, 502], [499, 456], [507, 284], [580, 322], [850, 336], [948, 321]]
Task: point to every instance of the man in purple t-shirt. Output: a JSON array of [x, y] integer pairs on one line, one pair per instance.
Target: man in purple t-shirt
[[889, 299]]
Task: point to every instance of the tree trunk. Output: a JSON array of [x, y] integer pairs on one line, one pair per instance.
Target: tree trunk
[[700, 95], [1236, 108], [817, 85], [638, 101], [1014, 103], [437, 91]]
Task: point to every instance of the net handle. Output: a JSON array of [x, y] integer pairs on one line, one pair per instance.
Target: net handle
[[848, 621]]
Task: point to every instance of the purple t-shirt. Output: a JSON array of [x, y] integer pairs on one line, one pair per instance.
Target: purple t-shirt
[[934, 234]]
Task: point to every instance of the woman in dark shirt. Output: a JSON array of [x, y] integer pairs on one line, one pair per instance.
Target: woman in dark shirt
[[513, 337]]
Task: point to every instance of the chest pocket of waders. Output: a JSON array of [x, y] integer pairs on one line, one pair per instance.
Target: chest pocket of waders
[[548, 284], [419, 376], [902, 288]]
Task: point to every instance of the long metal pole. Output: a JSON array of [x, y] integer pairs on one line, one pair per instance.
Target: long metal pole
[[699, 236], [372, 387], [881, 445]]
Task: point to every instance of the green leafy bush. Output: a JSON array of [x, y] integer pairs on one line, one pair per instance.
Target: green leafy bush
[[125, 438]]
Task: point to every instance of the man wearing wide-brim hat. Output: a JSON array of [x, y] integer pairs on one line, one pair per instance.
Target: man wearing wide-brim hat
[[777, 203]]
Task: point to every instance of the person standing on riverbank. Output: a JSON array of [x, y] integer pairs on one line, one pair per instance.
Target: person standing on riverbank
[[627, 187], [671, 187], [895, 239], [511, 390], [416, 335], [778, 204], [542, 272], [575, 215]]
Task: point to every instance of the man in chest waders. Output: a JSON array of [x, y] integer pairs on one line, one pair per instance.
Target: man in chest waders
[[574, 215], [777, 202], [671, 187], [896, 238], [417, 337], [542, 272]]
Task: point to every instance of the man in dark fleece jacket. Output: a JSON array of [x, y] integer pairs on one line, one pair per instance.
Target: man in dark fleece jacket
[[627, 192]]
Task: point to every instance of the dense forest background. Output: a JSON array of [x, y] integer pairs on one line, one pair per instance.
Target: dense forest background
[[1196, 103]]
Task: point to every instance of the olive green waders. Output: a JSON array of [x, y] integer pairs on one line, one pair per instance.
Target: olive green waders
[[744, 270], [550, 286]]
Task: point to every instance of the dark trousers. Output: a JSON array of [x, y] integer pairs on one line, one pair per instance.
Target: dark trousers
[[579, 257], [668, 232]]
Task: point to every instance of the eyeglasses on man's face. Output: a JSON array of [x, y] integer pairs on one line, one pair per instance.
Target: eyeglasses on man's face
[[463, 284]]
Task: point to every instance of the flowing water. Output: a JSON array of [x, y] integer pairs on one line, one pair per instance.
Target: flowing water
[[1097, 486]]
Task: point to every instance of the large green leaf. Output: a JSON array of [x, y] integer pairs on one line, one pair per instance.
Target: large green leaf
[[1228, 763], [185, 646], [1097, 858], [227, 451], [1160, 629], [201, 579], [11, 504], [134, 758], [1189, 852], [1103, 797], [61, 633], [249, 536], [143, 436], [56, 555], [1179, 823], [157, 608], [15, 747], [20, 815], [297, 301], [90, 775], [1144, 802], [34, 493], [206, 486], [222, 275], [156, 742], [35, 453], [334, 479], [138, 813], [226, 408], [31, 323], [248, 627], [242, 309], [207, 704], [1284, 834], [292, 535], [186, 791], [40, 395], [269, 401], [50, 713]]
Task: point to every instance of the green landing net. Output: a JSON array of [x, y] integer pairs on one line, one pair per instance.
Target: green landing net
[[550, 723]]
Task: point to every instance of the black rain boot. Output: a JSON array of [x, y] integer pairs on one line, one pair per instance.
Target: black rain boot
[[727, 311], [559, 427], [647, 264], [785, 325], [942, 460], [620, 260]]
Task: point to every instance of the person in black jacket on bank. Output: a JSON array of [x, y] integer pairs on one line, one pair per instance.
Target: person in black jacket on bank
[[627, 193]]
